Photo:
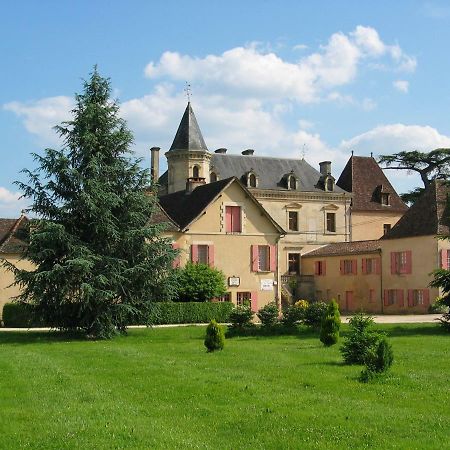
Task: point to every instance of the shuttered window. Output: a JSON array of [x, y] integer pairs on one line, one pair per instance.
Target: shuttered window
[[233, 219]]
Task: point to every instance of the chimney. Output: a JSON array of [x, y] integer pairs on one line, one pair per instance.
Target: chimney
[[194, 182], [154, 163], [249, 151], [220, 150], [325, 168]]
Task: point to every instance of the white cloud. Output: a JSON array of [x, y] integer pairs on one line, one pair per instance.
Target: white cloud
[[300, 47], [401, 85], [10, 203]]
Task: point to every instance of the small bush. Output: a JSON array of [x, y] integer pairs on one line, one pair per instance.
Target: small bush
[[241, 317], [438, 307], [331, 322], [378, 360], [215, 337], [360, 340], [268, 315], [314, 314], [19, 315]]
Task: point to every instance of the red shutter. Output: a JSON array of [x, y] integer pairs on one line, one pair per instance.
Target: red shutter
[[342, 267], [176, 260], [228, 219], [273, 257], [254, 301], [354, 266], [386, 300], [236, 219], [363, 265], [426, 297], [400, 299], [378, 266], [408, 261], [393, 263], [324, 267], [255, 258], [211, 255], [410, 298], [194, 253]]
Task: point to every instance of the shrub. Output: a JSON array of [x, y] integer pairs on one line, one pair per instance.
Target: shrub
[[215, 337], [19, 315], [295, 313], [314, 314], [302, 304], [199, 283], [360, 339], [378, 360], [438, 307], [331, 322], [241, 317], [268, 315]]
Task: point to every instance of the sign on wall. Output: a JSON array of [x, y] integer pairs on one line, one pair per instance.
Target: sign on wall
[[234, 281], [267, 285]]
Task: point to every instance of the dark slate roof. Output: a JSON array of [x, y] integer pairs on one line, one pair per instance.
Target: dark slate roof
[[13, 235], [363, 177], [428, 216], [345, 248], [270, 171], [189, 136]]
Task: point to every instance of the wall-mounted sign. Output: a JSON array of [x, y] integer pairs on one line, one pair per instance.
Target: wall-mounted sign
[[234, 281], [267, 285]]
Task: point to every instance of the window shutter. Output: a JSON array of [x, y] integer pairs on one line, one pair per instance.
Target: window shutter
[[324, 267], [393, 263], [194, 253], [255, 258], [386, 299], [408, 262], [410, 298], [176, 260], [363, 266], [273, 258], [254, 301], [228, 219], [211, 255], [443, 259], [378, 266], [342, 267], [354, 266], [426, 297], [400, 299], [236, 219]]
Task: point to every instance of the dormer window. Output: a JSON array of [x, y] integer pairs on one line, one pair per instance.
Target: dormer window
[[291, 181], [329, 184], [251, 179], [385, 200], [213, 177], [195, 172]]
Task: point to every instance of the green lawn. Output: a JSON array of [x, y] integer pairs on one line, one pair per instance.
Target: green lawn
[[158, 388]]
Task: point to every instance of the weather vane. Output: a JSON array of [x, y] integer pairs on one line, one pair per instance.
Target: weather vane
[[188, 91]]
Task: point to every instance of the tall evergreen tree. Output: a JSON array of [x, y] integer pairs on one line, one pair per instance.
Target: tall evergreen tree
[[99, 262]]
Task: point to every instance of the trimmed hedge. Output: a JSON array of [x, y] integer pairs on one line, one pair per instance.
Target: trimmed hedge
[[160, 313]]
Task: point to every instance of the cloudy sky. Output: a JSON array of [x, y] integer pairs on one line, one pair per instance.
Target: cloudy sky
[[286, 78]]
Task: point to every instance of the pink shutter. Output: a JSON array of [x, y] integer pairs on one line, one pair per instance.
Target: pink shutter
[[400, 299], [410, 298], [342, 267], [363, 266], [176, 260], [426, 297], [194, 253], [324, 267], [378, 266], [273, 258], [408, 268], [254, 301], [211, 255], [393, 263], [354, 266], [386, 299], [228, 219], [236, 219], [255, 258]]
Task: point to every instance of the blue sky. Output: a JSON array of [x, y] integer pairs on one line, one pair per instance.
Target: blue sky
[[281, 77]]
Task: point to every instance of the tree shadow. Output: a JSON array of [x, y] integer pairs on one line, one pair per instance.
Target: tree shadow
[[39, 337], [417, 330]]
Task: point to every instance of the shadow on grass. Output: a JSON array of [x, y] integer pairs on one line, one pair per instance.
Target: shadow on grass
[[39, 337], [413, 330]]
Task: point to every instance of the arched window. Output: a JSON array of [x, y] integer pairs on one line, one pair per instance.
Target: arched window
[[330, 184], [292, 182], [252, 180], [195, 172], [213, 177]]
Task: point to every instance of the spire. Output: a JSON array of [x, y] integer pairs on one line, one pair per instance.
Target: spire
[[189, 136]]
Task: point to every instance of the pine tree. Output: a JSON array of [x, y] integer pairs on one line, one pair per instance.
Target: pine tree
[[215, 337], [99, 262], [331, 322]]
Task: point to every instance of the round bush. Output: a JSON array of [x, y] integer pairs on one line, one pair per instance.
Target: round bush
[[329, 331], [215, 337]]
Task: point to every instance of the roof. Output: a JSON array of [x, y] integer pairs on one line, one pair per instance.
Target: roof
[[189, 136], [364, 178], [13, 235], [161, 217], [183, 208], [429, 215], [345, 248]]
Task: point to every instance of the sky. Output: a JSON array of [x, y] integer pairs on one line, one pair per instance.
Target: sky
[[285, 78]]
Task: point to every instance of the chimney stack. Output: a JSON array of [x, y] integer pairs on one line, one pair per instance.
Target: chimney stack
[[194, 182], [249, 151], [154, 163], [220, 150], [325, 168]]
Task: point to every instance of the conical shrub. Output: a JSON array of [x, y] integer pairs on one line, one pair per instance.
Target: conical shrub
[[215, 337], [331, 322]]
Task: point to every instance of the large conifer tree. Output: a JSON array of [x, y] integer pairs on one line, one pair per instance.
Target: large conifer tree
[[98, 260]]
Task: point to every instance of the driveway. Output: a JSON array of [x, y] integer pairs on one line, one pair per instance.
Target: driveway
[[410, 318]]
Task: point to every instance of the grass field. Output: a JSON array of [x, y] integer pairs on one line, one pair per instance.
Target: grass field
[[158, 388]]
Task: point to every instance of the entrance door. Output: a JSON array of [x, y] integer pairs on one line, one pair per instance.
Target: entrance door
[[348, 300]]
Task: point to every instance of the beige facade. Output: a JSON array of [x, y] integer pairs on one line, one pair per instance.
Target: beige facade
[[369, 225]]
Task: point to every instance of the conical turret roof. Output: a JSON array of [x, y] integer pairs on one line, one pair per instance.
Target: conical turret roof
[[189, 136]]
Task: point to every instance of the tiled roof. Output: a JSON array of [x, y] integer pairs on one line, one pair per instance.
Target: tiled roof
[[429, 216], [13, 235], [345, 248], [363, 177], [160, 216]]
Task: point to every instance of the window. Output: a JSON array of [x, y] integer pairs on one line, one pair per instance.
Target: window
[[225, 297], [330, 185], [195, 172], [401, 262], [293, 220], [384, 199], [213, 177], [370, 265], [418, 297], [252, 180], [243, 298], [263, 258], [202, 255], [393, 297], [233, 219], [319, 268], [348, 267], [292, 182], [331, 222], [386, 228], [294, 263]]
